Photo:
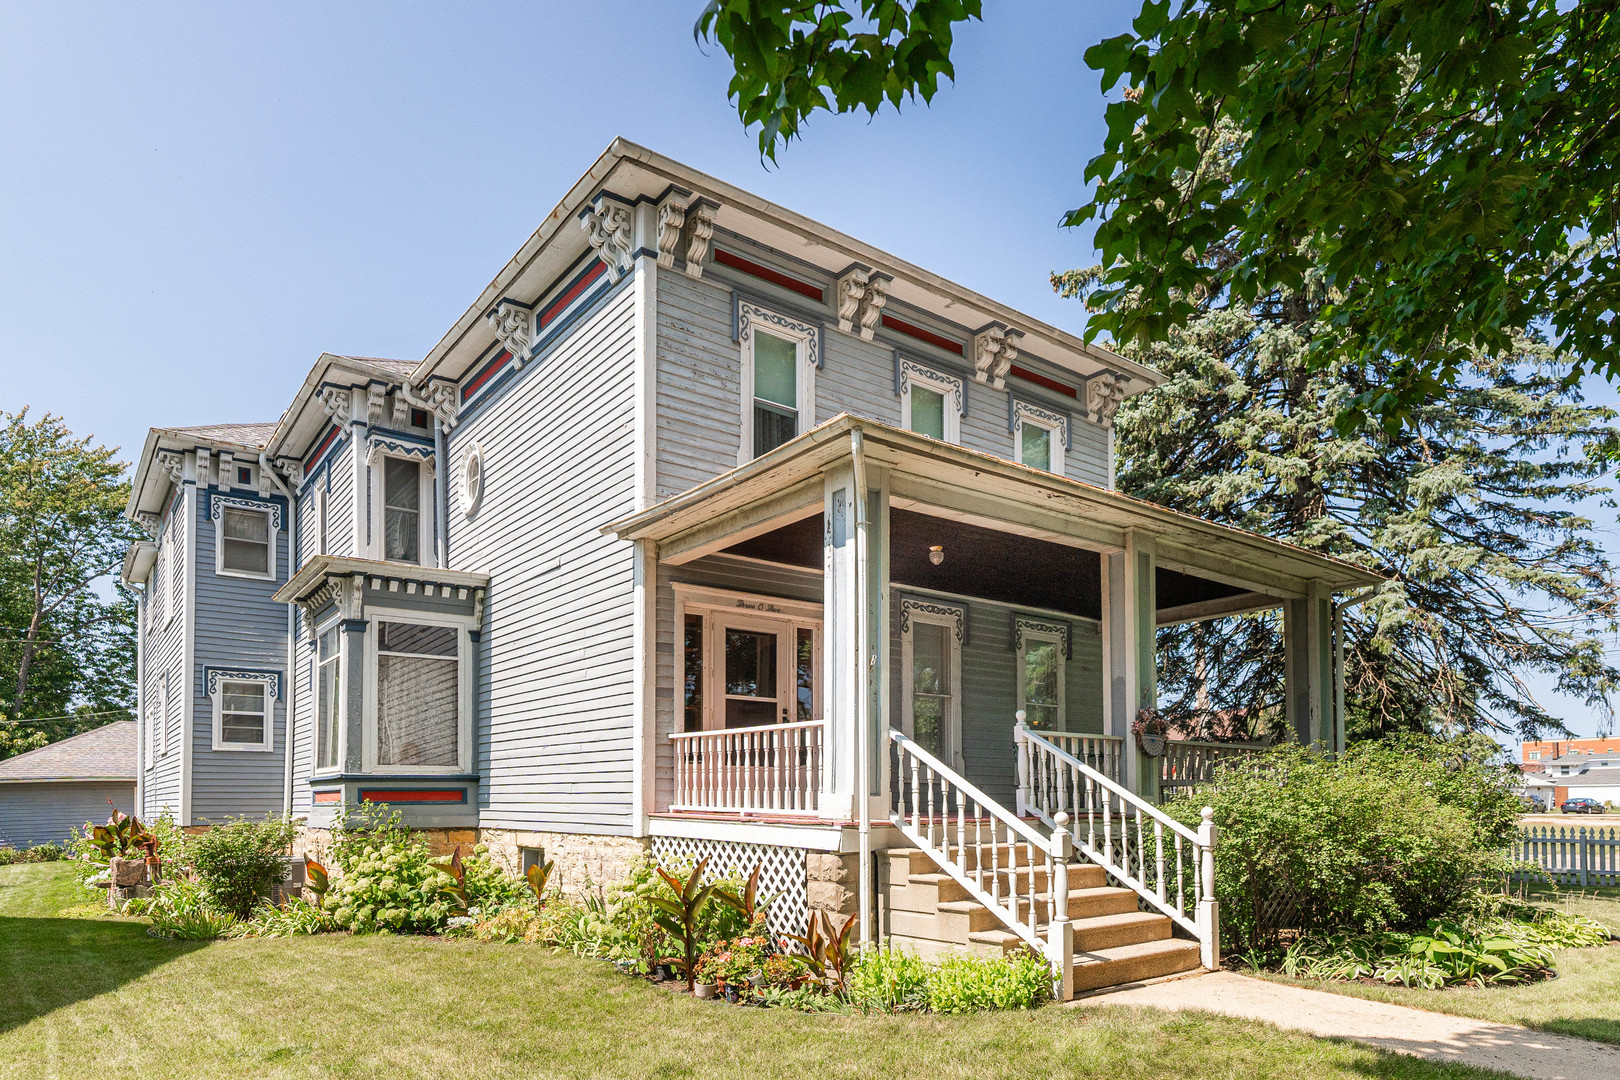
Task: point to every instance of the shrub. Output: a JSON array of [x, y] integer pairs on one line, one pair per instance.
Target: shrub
[[389, 880], [295, 918], [973, 984], [181, 910], [488, 884], [889, 980], [1383, 837], [240, 861], [37, 854]]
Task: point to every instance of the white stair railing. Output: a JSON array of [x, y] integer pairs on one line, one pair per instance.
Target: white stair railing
[[1166, 863], [1000, 860]]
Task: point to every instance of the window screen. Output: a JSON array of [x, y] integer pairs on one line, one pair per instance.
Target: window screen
[[402, 510], [418, 690], [245, 541], [243, 717]]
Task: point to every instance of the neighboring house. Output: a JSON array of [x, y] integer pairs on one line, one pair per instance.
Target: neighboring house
[[697, 500], [46, 794], [1583, 774], [1535, 754]]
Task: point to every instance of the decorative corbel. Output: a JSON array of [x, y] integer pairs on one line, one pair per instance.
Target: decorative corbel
[[293, 470], [148, 520], [513, 322], [608, 229], [994, 350], [402, 412], [671, 224], [699, 232], [203, 476], [227, 470], [862, 292], [172, 463], [335, 400], [376, 402], [1105, 391]]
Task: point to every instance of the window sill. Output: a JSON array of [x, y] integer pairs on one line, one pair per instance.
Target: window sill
[[245, 575], [251, 748]]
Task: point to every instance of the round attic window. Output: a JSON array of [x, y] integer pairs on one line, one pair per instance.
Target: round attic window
[[472, 480]]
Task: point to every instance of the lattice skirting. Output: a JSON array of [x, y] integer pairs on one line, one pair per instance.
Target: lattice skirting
[[782, 872]]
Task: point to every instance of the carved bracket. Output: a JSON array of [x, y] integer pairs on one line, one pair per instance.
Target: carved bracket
[[1105, 392], [513, 322], [994, 350], [862, 292], [376, 402], [608, 226], [335, 400], [955, 614], [671, 224], [699, 232], [172, 463]]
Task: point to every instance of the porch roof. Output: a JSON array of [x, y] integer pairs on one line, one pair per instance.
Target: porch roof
[[972, 486]]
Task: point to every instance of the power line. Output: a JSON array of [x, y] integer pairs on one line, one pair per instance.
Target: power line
[[66, 716]]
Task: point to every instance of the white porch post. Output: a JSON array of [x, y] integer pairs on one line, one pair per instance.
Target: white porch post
[[1308, 667], [1129, 626], [840, 692]]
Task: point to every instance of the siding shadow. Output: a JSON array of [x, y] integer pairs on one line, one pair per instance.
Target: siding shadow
[[48, 964]]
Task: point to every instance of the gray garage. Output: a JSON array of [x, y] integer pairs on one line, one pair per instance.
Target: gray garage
[[47, 793]]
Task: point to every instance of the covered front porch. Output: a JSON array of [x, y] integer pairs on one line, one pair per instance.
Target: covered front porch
[[862, 578]]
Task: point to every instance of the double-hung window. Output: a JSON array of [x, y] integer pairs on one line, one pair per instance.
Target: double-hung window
[[328, 685], [931, 673], [418, 696], [1042, 652], [1040, 436], [245, 543], [242, 713], [930, 402], [778, 378], [402, 510]]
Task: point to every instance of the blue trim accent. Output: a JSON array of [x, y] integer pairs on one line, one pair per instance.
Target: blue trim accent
[[277, 677], [355, 626], [269, 502]]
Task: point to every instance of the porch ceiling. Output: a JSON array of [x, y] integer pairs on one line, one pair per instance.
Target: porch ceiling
[[978, 489]]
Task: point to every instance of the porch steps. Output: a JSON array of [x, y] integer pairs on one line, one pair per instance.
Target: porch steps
[[930, 913]]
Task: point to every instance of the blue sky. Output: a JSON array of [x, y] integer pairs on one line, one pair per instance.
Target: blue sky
[[198, 199]]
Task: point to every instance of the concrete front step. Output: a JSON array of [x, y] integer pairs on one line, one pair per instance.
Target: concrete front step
[[1098, 968], [1002, 856]]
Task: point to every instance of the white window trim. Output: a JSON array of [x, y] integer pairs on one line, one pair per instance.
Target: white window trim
[[1029, 630], [464, 625], [1055, 423], [948, 386], [913, 612], [340, 721], [718, 606], [271, 522], [425, 495], [807, 340], [321, 521], [268, 683]]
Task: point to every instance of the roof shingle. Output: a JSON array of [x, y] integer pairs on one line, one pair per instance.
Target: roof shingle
[[106, 753]]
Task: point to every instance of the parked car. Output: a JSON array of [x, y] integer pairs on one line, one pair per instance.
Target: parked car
[[1581, 806]]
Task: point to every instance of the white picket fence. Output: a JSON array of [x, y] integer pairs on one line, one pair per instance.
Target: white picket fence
[[1571, 855]]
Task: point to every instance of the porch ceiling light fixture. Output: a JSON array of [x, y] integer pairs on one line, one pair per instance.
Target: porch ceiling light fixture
[[936, 554]]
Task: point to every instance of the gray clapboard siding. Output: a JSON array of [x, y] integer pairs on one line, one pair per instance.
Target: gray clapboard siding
[[165, 658], [340, 503], [699, 393], [236, 625], [555, 673], [50, 812]]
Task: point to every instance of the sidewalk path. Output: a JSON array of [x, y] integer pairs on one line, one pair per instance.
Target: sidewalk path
[[1435, 1036]]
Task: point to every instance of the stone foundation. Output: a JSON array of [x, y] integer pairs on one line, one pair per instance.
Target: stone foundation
[[583, 860], [833, 884]]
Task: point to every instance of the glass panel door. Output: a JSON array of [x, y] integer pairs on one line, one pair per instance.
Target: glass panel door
[[760, 671]]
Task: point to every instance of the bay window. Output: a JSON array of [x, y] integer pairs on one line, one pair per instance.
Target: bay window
[[418, 696], [402, 510], [328, 707]]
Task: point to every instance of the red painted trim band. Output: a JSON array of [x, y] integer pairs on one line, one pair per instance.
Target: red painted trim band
[[413, 795], [326, 443], [485, 375], [328, 796], [765, 273], [900, 327], [1041, 380], [594, 271]]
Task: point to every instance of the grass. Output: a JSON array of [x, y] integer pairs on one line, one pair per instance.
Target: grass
[[1583, 1001], [97, 997]]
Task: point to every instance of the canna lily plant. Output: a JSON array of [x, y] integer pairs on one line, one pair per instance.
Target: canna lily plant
[[538, 876], [679, 917], [826, 948]]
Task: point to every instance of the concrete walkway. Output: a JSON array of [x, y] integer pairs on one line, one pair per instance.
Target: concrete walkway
[[1435, 1036]]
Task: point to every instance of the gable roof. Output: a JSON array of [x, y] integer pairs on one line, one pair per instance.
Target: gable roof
[[106, 753]]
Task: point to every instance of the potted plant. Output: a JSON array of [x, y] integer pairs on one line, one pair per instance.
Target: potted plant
[[703, 979]]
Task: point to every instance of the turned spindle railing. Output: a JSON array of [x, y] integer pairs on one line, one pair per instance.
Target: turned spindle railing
[[771, 770], [1168, 864], [1003, 862]]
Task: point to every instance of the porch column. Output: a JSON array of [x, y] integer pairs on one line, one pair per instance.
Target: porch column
[[848, 677], [1308, 669], [1129, 625]]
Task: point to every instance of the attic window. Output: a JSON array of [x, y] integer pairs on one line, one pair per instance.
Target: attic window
[[244, 475], [419, 418]]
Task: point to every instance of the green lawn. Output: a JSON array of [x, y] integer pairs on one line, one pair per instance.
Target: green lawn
[[1583, 1001], [97, 998]]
